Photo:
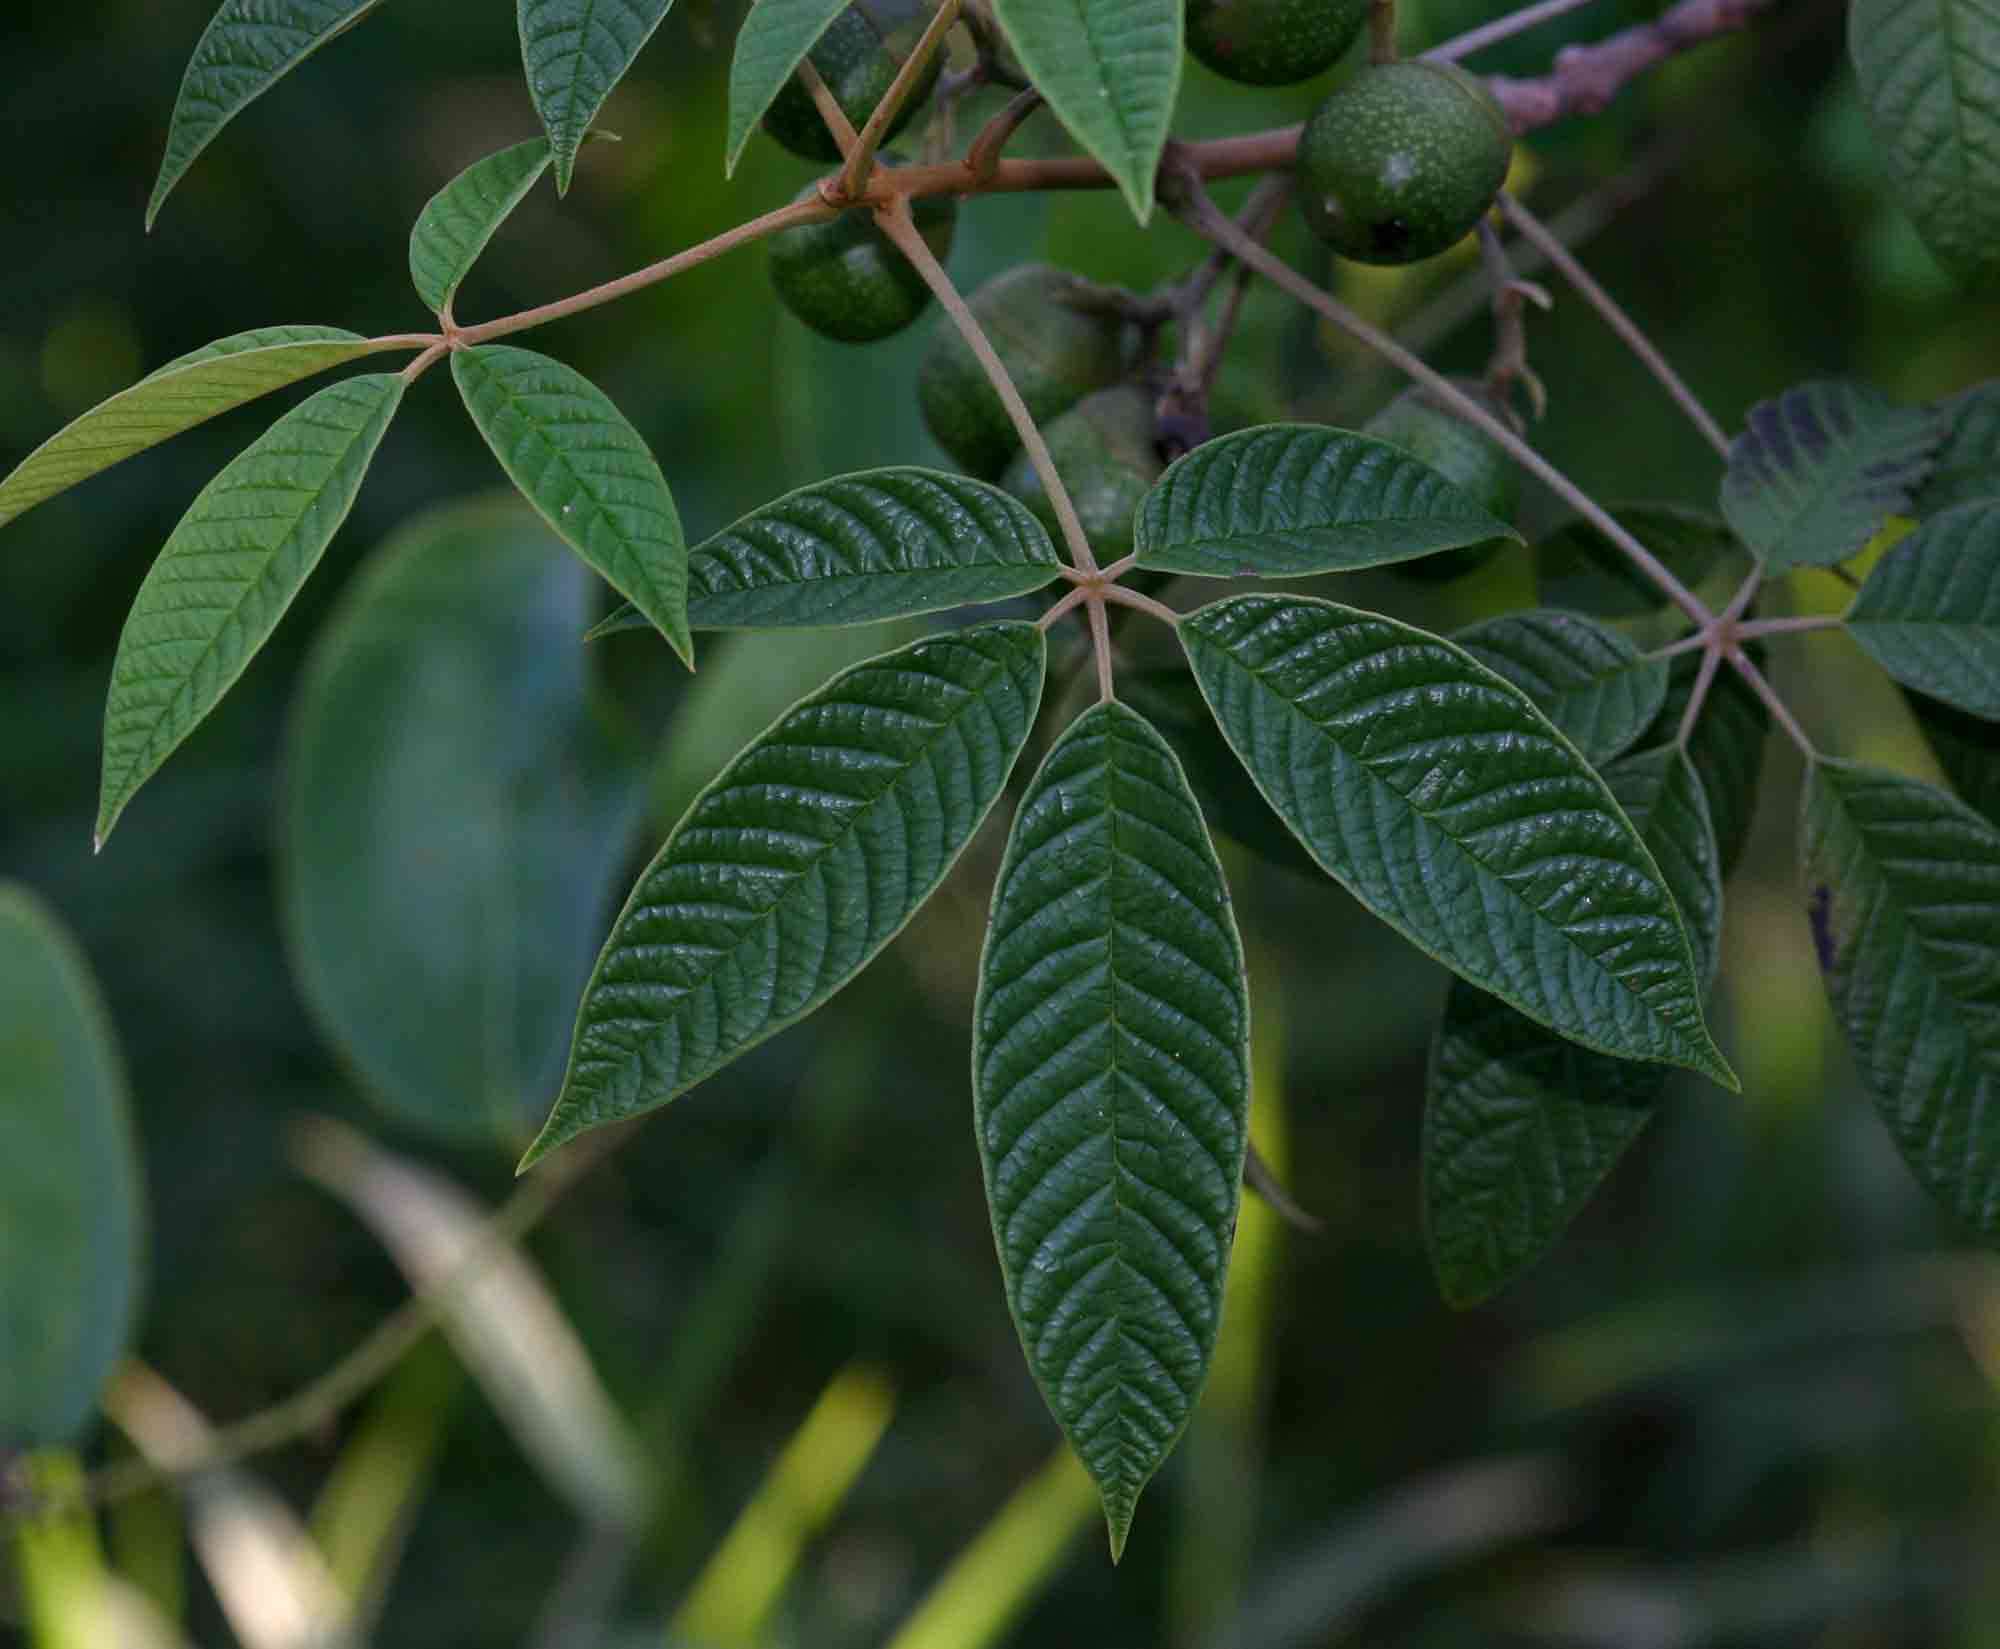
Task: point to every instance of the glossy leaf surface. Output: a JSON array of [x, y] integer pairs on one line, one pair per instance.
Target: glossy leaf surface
[[803, 858], [575, 52], [1590, 681], [1288, 500], [229, 571], [1111, 1066], [1447, 803], [587, 471], [1929, 613], [1902, 888], [771, 44], [458, 221]]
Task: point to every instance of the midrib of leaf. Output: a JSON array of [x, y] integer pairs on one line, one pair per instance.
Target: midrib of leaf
[[587, 18]]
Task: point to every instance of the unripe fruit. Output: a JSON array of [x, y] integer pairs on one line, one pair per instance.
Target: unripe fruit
[[1103, 450], [846, 280], [1402, 162], [1464, 455], [1055, 351], [857, 57], [1272, 42]]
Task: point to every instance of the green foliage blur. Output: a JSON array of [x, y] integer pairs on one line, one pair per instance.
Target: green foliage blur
[[1752, 1398]]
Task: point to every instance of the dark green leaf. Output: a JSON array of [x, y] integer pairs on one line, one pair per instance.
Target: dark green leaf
[[1930, 76], [247, 47], [1110, 70], [181, 394], [1579, 569], [771, 44], [1521, 1126], [454, 821], [1968, 460], [1590, 681], [1903, 891], [1967, 748], [1288, 500], [1447, 803], [458, 221], [589, 473], [1929, 613], [1816, 471], [1727, 747], [230, 569], [72, 1221], [1111, 1079], [575, 52], [803, 858]]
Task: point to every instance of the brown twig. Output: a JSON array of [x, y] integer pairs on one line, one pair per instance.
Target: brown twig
[[1501, 28], [861, 158], [984, 155]]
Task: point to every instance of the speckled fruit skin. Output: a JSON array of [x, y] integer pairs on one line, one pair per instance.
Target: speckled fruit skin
[[1402, 161], [857, 57], [1103, 450], [846, 280], [1055, 352], [1467, 457], [1272, 42]]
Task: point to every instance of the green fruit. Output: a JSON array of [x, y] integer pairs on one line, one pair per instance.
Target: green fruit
[[1464, 455], [1272, 42], [846, 280], [1055, 351], [1103, 450], [857, 57], [1402, 162]]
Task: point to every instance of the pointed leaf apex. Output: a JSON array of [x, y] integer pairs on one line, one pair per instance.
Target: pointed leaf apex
[[1117, 1528]]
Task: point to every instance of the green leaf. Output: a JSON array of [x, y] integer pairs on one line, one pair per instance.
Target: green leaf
[[1816, 470], [1930, 77], [230, 569], [1967, 748], [1111, 1081], [575, 52], [247, 47], [589, 473], [458, 221], [1968, 459], [803, 858], [72, 1221], [1521, 1126], [771, 44], [1929, 613], [183, 393], [1110, 70], [1446, 802], [1727, 747], [1903, 890], [1289, 500], [1579, 569], [454, 820], [1590, 681]]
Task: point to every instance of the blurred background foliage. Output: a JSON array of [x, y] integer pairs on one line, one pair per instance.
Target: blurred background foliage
[[1751, 1399]]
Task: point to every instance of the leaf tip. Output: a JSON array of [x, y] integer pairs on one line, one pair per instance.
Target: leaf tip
[[1117, 1526]]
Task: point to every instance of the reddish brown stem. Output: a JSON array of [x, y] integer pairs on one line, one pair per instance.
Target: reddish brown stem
[[861, 158]]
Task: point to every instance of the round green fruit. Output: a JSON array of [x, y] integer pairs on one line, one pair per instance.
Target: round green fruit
[[1272, 42], [1055, 346], [1464, 455], [1103, 450], [857, 57], [845, 279], [1402, 162]]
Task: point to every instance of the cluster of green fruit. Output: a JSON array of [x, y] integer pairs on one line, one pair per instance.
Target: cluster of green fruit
[[1397, 164]]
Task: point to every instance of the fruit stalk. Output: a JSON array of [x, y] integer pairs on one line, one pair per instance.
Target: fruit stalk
[[861, 157], [1381, 31]]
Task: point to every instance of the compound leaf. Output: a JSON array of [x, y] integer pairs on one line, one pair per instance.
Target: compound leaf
[[1816, 470], [458, 221], [230, 569], [185, 392], [1726, 747], [771, 44], [589, 473], [1930, 77], [1289, 500], [804, 857], [1111, 1067], [247, 47], [1590, 681], [1903, 890], [1446, 802], [1110, 70], [1968, 459], [72, 1220], [1967, 748], [575, 52], [1577, 568], [1929, 613]]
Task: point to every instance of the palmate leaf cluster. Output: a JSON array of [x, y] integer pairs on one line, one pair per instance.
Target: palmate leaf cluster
[[1543, 804]]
